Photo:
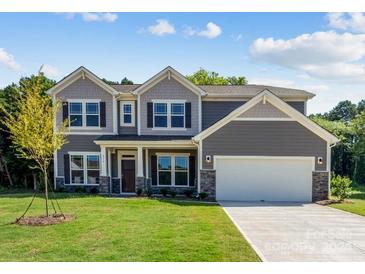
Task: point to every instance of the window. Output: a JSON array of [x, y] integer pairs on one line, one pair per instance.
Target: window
[[127, 114], [169, 114], [173, 170], [84, 114], [85, 166]]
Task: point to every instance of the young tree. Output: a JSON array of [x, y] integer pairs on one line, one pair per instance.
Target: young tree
[[31, 128]]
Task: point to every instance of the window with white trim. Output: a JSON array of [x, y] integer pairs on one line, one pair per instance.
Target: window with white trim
[[127, 114], [169, 114], [84, 114], [84, 168], [172, 170]]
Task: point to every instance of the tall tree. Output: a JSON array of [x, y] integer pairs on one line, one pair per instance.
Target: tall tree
[[359, 148], [361, 106], [126, 81], [205, 77], [31, 128], [345, 110]]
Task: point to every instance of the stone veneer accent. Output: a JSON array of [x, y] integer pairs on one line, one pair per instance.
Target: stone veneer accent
[[140, 183], [320, 185], [116, 185], [104, 185], [207, 182]]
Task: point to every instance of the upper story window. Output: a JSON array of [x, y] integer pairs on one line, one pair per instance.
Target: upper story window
[[169, 114], [127, 118], [84, 114]]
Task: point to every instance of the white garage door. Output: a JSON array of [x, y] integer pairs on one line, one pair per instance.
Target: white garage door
[[264, 178]]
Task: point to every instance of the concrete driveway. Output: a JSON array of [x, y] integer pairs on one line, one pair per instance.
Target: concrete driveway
[[299, 232]]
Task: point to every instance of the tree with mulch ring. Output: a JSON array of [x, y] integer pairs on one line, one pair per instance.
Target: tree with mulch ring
[[34, 138]]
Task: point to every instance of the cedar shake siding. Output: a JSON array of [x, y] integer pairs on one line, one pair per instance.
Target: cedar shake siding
[[264, 138], [84, 89], [169, 90], [78, 143]]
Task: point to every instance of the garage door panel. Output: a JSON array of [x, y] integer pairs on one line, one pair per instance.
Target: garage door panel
[[270, 179]]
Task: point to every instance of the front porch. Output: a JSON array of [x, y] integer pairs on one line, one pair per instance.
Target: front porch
[[129, 166]]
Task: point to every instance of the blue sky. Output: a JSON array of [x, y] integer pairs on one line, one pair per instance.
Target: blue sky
[[323, 53]]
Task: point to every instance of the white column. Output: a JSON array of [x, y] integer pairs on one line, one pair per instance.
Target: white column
[[109, 162], [199, 156], [146, 160], [103, 168], [139, 162]]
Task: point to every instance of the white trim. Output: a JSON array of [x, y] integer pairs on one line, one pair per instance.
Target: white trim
[[168, 101], [262, 119], [103, 168], [200, 113], [139, 161], [147, 164], [234, 157], [83, 103], [85, 169], [281, 105], [135, 143], [139, 114], [121, 105], [115, 115], [87, 133], [328, 166], [173, 170], [83, 100], [245, 98], [168, 114]]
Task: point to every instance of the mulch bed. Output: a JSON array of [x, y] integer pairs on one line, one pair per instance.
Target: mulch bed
[[44, 220], [330, 202]]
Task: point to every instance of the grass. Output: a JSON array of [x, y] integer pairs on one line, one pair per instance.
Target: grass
[[357, 202], [114, 229]]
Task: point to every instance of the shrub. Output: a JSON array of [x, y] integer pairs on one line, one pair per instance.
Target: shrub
[[60, 189], [139, 191], [202, 195], [163, 191], [172, 193], [341, 187], [148, 192], [188, 193], [80, 189], [94, 190]]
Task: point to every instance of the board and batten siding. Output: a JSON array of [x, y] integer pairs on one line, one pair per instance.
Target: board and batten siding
[[264, 138], [84, 89], [169, 90], [128, 130], [76, 143]]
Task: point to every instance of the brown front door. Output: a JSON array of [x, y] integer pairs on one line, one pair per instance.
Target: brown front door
[[128, 175]]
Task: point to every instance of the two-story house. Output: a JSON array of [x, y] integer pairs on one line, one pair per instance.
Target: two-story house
[[247, 142]]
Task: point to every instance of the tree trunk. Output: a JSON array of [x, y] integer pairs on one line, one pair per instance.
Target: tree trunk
[[46, 189], [34, 181], [7, 171]]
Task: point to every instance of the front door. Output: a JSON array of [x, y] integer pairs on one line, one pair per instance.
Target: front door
[[128, 176]]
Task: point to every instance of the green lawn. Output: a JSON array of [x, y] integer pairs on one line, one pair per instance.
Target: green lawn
[[114, 229], [358, 202]]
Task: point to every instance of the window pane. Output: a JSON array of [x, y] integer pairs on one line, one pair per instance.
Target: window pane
[[75, 108], [160, 108], [181, 178], [177, 121], [164, 163], [127, 118], [92, 162], [76, 120], [77, 162], [160, 121], [127, 108], [164, 178], [92, 108], [77, 176], [177, 109], [92, 120], [93, 176], [181, 163]]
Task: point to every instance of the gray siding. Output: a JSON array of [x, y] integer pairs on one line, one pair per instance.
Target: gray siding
[[76, 143], [298, 105], [264, 138], [170, 90], [128, 130], [86, 89], [262, 110], [213, 111]]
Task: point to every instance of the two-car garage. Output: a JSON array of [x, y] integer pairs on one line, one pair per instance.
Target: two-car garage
[[255, 178]]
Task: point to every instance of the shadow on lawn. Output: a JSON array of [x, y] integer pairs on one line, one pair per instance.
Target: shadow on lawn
[[186, 202], [59, 196]]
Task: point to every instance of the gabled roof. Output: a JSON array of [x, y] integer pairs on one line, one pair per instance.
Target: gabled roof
[[81, 72], [168, 72], [267, 95]]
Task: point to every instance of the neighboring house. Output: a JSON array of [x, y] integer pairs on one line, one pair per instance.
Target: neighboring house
[[234, 142]]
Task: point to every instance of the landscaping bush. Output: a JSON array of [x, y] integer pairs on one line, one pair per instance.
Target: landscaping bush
[[60, 189], [188, 193], [163, 191], [148, 192], [172, 193], [94, 190], [341, 187], [202, 195], [139, 191], [80, 189]]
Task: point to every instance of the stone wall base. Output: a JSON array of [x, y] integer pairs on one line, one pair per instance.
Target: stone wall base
[[116, 186], [104, 185], [207, 182], [320, 185], [141, 183]]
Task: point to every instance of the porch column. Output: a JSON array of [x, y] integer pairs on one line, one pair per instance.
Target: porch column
[[103, 168], [139, 162]]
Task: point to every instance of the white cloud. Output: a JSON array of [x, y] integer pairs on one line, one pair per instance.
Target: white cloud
[[326, 55], [162, 27], [8, 60], [347, 21], [99, 17], [212, 31], [50, 71]]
